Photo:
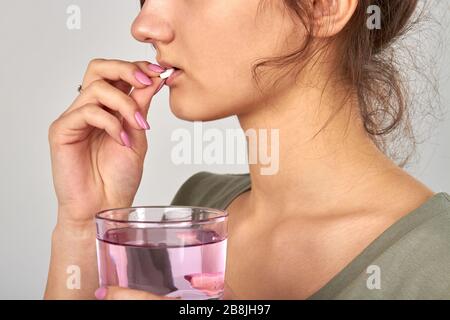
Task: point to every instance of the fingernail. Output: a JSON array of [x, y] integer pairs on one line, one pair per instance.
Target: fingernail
[[141, 121], [143, 78], [125, 139], [100, 293], [160, 86], [188, 277], [156, 68]]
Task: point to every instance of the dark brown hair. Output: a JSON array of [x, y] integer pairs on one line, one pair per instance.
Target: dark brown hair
[[368, 64]]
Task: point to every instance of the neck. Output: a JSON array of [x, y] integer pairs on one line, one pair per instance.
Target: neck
[[318, 170]]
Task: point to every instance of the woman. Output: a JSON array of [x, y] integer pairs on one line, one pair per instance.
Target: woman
[[339, 220]]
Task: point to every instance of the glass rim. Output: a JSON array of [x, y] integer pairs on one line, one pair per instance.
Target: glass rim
[[221, 214]]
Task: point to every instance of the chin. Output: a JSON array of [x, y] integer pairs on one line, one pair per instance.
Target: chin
[[196, 112]]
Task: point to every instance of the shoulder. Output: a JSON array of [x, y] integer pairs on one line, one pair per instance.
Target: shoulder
[[416, 263], [419, 262], [429, 242], [432, 235], [410, 260], [208, 189]]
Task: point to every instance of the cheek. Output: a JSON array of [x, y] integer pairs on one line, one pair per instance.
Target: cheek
[[218, 80], [223, 33], [221, 85], [211, 98], [219, 60]]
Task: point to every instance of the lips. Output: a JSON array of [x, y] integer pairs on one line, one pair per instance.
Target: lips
[[173, 77], [166, 65]]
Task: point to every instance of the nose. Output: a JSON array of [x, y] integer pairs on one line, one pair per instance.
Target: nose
[[152, 25]]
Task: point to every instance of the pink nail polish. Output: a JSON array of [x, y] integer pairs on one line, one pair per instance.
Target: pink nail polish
[[188, 277], [156, 68], [143, 78], [141, 121], [125, 139], [100, 293]]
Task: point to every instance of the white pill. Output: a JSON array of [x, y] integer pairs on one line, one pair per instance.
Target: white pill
[[167, 73]]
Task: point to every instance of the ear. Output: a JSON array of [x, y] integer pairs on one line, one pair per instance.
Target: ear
[[331, 16]]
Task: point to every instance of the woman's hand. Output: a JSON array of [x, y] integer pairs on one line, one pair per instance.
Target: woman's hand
[[118, 293], [93, 169]]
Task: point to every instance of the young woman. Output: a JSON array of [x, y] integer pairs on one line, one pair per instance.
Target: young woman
[[339, 220]]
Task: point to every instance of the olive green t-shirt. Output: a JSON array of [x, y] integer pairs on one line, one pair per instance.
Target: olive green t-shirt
[[409, 260]]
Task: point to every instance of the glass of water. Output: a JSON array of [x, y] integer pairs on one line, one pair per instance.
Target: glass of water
[[174, 251]]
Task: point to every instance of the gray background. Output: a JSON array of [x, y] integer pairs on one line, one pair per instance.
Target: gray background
[[41, 64]]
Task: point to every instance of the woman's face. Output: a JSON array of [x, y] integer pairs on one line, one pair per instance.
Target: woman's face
[[215, 43]]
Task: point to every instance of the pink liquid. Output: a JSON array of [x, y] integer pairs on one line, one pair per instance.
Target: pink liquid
[[176, 262]]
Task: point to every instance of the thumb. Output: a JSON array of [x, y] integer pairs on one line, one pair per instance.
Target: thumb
[[209, 281], [143, 98]]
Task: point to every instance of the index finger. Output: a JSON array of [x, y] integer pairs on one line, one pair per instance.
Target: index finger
[[137, 74]]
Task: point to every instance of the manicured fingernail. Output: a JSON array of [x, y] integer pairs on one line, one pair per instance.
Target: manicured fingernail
[[156, 68], [143, 78], [100, 293], [160, 86], [141, 121], [188, 277], [125, 139]]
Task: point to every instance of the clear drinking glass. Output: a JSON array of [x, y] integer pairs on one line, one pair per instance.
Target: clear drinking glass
[[175, 251]]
